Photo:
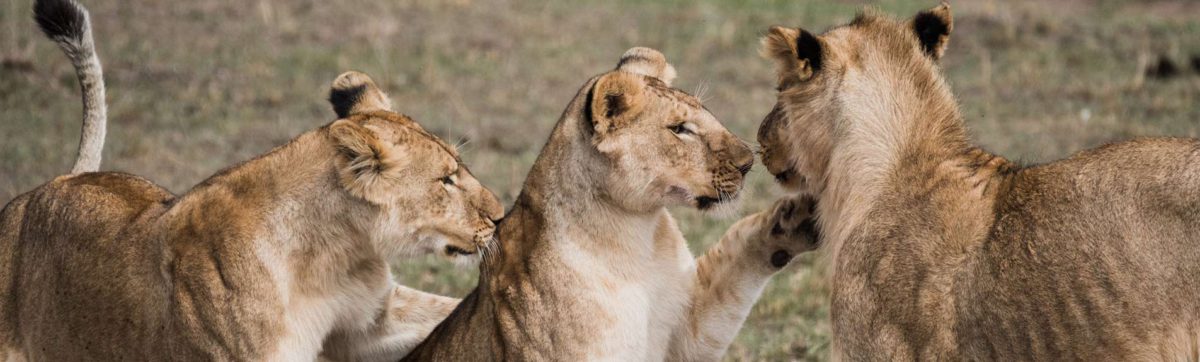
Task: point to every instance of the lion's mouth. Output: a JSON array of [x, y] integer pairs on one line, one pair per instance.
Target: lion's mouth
[[706, 202], [454, 250]]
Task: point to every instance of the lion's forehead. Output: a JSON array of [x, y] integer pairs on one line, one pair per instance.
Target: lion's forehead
[[678, 99], [417, 143], [435, 154]]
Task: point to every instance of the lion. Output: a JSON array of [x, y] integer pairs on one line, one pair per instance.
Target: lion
[[590, 265], [940, 250], [274, 259]]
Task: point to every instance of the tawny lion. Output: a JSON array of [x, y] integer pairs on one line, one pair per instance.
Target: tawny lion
[[591, 266], [943, 251], [273, 259]]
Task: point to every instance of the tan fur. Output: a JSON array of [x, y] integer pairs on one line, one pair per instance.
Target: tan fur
[[943, 251], [262, 261], [591, 266], [404, 322]]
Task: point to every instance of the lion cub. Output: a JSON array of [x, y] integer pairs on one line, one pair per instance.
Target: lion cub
[[262, 261], [944, 251], [591, 266]]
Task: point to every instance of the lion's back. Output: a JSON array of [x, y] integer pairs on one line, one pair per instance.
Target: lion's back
[[73, 247], [1096, 256]]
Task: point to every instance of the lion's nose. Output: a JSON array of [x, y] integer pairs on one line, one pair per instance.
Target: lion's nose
[[490, 207], [745, 168], [742, 156]]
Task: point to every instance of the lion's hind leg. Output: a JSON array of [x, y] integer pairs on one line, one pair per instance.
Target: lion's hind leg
[[10, 228]]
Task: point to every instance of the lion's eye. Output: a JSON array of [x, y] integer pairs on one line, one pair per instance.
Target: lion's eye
[[448, 180], [681, 129]]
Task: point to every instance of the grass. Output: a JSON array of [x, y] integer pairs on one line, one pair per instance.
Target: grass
[[196, 86]]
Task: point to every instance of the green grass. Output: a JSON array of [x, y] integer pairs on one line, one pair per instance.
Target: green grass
[[195, 86]]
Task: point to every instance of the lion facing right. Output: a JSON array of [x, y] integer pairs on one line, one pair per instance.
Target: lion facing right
[[943, 251]]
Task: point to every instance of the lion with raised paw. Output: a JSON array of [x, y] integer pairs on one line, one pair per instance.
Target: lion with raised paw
[[590, 265]]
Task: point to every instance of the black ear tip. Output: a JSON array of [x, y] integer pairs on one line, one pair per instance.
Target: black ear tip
[[808, 47], [344, 99], [928, 22], [931, 27]]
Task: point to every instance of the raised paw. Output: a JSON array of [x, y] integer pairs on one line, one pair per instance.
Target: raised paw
[[789, 229]]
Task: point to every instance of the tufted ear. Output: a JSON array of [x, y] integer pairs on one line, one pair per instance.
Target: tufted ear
[[797, 51], [933, 28], [647, 62], [364, 158], [354, 93], [616, 100]]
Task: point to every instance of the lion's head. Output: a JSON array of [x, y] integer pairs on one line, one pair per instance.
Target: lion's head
[[415, 182], [660, 145], [830, 80]]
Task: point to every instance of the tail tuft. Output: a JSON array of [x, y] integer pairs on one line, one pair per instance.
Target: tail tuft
[[61, 20], [66, 22]]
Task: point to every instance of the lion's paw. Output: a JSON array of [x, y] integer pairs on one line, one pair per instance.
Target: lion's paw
[[788, 229]]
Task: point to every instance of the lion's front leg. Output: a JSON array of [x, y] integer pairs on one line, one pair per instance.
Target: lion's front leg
[[732, 274], [407, 318]]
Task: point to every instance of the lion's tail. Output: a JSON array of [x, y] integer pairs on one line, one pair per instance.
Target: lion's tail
[[67, 23]]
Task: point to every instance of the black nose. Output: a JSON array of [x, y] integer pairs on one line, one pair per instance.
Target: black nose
[[497, 221], [745, 169]]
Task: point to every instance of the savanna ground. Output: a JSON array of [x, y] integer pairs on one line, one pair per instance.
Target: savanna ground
[[195, 86]]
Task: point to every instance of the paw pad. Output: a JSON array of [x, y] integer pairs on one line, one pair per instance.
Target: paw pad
[[790, 230], [780, 258]]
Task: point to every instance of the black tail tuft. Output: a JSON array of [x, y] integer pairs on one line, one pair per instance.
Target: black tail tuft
[[61, 19]]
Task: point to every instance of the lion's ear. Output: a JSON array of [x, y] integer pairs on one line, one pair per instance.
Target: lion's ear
[[797, 51], [933, 28], [647, 62], [617, 99], [363, 158], [354, 93]]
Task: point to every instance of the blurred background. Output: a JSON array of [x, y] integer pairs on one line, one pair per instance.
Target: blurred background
[[195, 86]]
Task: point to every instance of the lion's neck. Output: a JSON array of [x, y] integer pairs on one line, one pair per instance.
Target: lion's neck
[[904, 145], [562, 193], [287, 206], [276, 231]]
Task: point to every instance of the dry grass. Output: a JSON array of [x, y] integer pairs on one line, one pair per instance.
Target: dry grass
[[198, 85]]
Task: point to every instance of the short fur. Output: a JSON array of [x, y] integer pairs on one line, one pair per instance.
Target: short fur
[[591, 266], [943, 251], [262, 261]]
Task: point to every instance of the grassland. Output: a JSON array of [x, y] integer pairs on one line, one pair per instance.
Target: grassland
[[195, 86]]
